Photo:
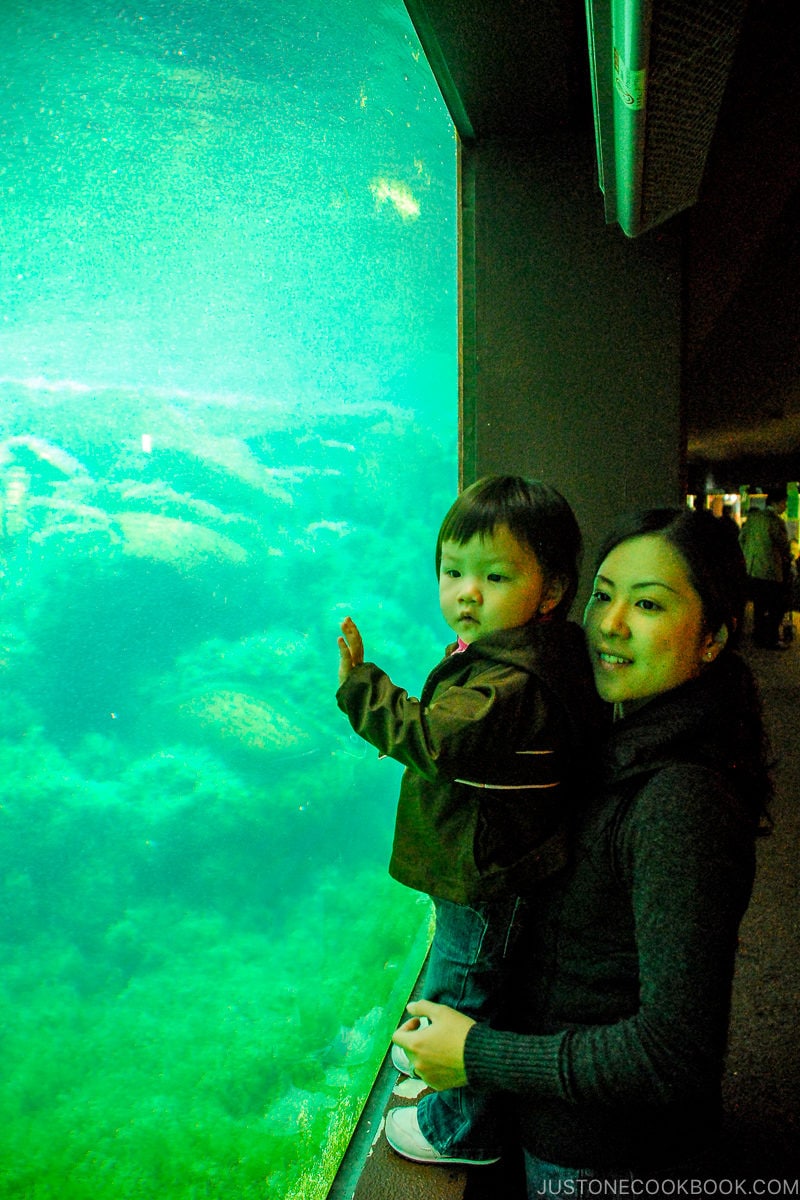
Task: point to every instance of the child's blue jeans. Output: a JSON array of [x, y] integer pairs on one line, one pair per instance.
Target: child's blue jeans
[[465, 970]]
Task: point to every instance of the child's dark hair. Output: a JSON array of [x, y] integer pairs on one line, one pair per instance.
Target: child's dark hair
[[536, 514]]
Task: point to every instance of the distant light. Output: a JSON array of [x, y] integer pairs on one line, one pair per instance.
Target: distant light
[[147, 443]]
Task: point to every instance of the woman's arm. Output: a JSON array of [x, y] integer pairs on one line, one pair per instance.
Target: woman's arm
[[438, 1051]]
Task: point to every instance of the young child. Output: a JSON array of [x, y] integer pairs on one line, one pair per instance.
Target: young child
[[493, 750]]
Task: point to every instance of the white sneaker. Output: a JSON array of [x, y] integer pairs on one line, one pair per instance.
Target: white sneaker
[[400, 1058], [405, 1137], [401, 1062]]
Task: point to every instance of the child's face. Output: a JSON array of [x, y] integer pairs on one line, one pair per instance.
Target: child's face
[[491, 583]]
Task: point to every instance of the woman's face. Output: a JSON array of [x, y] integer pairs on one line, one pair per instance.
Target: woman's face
[[644, 623]]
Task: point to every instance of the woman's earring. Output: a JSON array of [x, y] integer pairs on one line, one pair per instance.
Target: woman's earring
[[719, 642]]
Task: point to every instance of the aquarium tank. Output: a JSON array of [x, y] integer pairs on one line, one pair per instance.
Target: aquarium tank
[[228, 405]]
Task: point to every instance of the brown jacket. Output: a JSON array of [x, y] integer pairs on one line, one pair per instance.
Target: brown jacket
[[494, 752]]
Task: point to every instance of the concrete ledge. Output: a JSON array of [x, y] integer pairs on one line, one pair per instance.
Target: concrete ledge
[[371, 1170], [387, 1176]]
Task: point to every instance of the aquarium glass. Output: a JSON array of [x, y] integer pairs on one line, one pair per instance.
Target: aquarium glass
[[228, 377]]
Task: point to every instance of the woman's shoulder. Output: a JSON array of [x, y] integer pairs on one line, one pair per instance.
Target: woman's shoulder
[[680, 787], [686, 843], [682, 810]]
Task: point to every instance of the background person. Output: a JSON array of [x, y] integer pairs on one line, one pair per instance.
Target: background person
[[765, 545]]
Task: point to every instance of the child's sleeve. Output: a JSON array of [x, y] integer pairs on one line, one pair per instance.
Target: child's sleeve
[[438, 740]]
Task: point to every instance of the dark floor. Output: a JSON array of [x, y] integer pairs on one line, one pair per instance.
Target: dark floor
[[761, 1137], [762, 1086]]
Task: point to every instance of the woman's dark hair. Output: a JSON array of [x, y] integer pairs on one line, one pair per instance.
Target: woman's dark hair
[[536, 514], [711, 553]]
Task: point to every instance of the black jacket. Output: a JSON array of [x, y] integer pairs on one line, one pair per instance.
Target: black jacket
[[622, 993]]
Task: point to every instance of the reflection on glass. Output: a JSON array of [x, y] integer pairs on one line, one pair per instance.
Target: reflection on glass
[[227, 410]]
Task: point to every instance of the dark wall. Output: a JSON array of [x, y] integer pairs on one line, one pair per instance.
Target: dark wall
[[518, 75], [572, 334]]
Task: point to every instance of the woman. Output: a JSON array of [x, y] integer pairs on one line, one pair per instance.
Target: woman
[[623, 998]]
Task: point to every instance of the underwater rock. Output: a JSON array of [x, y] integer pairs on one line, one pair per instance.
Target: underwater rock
[[46, 491], [166, 501], [68, 519], [244, 723], [44, 458], [15, 647], [358, 1043], [296, 1109], [183, 544], [14, 501]]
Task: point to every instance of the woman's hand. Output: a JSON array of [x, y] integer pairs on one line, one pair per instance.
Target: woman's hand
[[436, 1049], [351, 649]]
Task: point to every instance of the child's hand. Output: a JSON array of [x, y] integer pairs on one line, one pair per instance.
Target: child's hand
[[436, 1049], [351, 649]]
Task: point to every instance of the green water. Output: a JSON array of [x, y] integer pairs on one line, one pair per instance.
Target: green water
[[227, 419]]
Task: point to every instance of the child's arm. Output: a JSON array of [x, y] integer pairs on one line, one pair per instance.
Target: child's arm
[[351, 649]]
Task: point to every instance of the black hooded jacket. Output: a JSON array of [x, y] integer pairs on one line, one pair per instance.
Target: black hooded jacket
[[622, 993]]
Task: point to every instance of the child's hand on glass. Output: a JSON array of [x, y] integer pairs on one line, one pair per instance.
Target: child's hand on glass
[[351, 649]]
